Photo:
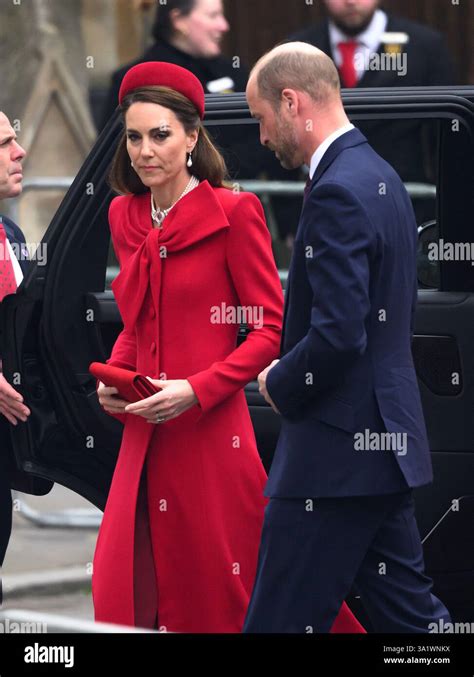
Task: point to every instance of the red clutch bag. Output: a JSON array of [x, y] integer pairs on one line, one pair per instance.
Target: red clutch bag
[[131, 385]]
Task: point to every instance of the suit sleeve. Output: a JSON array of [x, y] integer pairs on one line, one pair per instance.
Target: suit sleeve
[[338, 238], [257, 283]]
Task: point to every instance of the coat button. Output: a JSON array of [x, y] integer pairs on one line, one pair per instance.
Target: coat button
[[153, 347]]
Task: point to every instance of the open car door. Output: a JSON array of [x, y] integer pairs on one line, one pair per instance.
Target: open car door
[[51, 330]]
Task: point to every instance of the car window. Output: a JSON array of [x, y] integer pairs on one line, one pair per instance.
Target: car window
[[410, 146]]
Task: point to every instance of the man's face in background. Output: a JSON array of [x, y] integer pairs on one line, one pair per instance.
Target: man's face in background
[[351, 16], [11, 157]]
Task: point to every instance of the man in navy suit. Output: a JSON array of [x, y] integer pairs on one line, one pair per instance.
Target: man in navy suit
[[13, 266], [353, 441]]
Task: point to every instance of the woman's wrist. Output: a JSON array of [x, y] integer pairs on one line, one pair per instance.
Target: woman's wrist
[[196, 400]]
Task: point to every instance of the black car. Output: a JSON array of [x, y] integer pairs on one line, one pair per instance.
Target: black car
[[64, 317]]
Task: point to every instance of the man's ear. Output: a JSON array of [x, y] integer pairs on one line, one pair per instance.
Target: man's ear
[[290, 101]]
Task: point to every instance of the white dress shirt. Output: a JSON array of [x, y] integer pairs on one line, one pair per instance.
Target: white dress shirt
[[368, 41], [16, 266], [322, 148]]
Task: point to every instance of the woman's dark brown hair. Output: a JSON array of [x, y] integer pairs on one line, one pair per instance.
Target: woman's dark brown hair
[[163, 27], [208, 163]]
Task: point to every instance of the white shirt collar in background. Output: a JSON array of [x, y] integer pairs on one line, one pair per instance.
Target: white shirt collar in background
[[368, 41]]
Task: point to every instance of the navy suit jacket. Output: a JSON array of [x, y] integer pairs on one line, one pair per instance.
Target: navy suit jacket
[[17, 240], [17, 479], [346, 368], [16, 237]]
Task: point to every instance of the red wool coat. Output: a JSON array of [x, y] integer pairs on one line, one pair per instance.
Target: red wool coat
[[203, 474]]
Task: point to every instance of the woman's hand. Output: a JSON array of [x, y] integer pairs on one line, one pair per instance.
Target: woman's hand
[[109, 401], [176, 397]]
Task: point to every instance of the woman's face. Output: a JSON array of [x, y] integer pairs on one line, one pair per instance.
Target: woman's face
[[204, 28], [157, 143]]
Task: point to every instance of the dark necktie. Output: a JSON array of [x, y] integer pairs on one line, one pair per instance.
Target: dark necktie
[[307, 188], [7, 274]]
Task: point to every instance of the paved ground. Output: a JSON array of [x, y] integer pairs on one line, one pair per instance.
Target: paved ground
[[33, 547], [74, 604], [49, 568]]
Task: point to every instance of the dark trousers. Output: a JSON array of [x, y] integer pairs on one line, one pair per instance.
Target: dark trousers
[[5, 507], [5, 517], [309, 560]]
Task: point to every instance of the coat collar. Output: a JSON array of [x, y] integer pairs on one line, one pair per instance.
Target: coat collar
[[197, 216], [347, 140]]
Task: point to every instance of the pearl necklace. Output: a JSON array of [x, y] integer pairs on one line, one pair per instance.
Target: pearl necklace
[[158, 215]]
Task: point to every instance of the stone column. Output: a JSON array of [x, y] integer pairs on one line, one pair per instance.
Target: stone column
[[44, 79]]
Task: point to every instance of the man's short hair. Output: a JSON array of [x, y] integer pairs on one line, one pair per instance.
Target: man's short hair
[[301, 67]]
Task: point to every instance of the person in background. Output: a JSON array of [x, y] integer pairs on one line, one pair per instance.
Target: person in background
[[12, 407], [359, 36], [188, 33]]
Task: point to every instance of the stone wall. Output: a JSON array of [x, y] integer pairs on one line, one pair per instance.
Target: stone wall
[[44, 84]]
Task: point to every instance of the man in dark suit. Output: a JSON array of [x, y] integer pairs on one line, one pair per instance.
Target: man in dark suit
[[373, 49], [353, 442], [13, 266]]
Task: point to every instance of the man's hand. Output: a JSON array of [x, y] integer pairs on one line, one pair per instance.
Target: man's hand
[[11, 403], [176, 396], [262, 385]]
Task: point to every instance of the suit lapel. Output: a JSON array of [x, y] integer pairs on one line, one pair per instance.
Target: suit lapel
[[352, 138], [24, 265], [323, 41], [285, 310], [348, 140], [380, 78], [16, 244], [374, 78]]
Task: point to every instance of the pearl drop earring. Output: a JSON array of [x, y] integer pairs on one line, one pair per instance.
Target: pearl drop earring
[[189, 163]]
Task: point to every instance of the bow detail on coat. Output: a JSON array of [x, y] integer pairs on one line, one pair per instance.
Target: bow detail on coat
[[185, 226]]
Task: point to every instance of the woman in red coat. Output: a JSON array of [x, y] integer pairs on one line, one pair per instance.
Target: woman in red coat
[[178, 544]]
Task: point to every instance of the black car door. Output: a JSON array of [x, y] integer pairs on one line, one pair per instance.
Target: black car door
[[65, 317]]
